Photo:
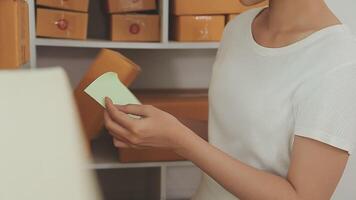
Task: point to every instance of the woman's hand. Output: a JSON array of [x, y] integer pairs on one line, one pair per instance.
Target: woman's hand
[[155, 128]]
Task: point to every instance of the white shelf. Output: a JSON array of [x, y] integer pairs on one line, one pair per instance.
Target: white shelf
[[105, 156], [124, 45], [117, 165]]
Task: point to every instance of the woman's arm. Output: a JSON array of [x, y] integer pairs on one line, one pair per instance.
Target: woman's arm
[[314, 172]]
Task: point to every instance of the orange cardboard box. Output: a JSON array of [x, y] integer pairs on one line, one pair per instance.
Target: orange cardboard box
[[135, 27], [147, 155], [190, 107], [75, 5], [185, 104], [208, 7], [61, 24], [90, 111], [14, 34], [230, 17], [124, 6], [198, 28]]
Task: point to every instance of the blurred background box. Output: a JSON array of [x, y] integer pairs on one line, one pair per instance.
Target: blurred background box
[[198, 28], [135, 27], [91, 112], [14, 34], [183, 103], [124, 6], [74, 5], [147, 155], [207, 7], [189, 106], [61, 24]]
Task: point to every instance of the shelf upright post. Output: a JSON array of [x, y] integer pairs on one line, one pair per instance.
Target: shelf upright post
[[164, 12], [32, 30], [163, 182]]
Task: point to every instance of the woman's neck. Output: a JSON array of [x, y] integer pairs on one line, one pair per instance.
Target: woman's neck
[[288, 21], [286, 15]]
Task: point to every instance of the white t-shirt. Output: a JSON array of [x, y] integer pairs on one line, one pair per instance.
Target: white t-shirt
[[261, 97]]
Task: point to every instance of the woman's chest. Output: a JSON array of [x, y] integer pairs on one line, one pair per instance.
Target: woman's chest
[[248, 94]]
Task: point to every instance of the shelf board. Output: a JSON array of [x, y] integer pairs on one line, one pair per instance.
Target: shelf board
[[124, 45], [105, 156]]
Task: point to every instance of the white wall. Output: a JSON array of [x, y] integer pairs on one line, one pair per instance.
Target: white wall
[[346, 11]]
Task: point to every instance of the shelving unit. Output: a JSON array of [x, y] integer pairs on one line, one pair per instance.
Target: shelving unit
[[101, 43], [124, 45], [105, 156]]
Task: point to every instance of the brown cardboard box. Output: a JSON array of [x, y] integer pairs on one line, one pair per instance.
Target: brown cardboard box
[[90, 111], [230, 17], [75, 5], [124, 6], [208, 7], [147, 155], [184, 104], [198, 28], [14, 34], [144, 28], [61, 24], [190, 107]]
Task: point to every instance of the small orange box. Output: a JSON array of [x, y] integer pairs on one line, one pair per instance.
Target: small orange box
[[75, 5], [185, 104], [209, 7], [147, 155], [198, 28], [90, 111], [190, 107], [144, 28], [124, 6], [230, 17], [14, 34], [61, 24]]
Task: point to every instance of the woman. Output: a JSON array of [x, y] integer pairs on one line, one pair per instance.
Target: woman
[[282, 108]]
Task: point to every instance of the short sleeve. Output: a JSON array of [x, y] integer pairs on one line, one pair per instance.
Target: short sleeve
[[325, 109]]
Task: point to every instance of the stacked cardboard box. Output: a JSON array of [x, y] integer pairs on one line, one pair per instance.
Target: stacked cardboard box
[[62, 19], [133, 21], [204, 20], [14, 34]]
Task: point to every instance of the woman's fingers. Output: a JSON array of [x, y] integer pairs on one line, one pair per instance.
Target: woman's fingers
[[115, 129], [120, 144], [119, 116], [135, 109]]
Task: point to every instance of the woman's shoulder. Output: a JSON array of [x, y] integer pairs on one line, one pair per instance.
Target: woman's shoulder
[[238, 26], [337, 49], [244, 18]]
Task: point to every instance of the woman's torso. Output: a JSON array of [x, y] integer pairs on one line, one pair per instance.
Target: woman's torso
[[253, 91]]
